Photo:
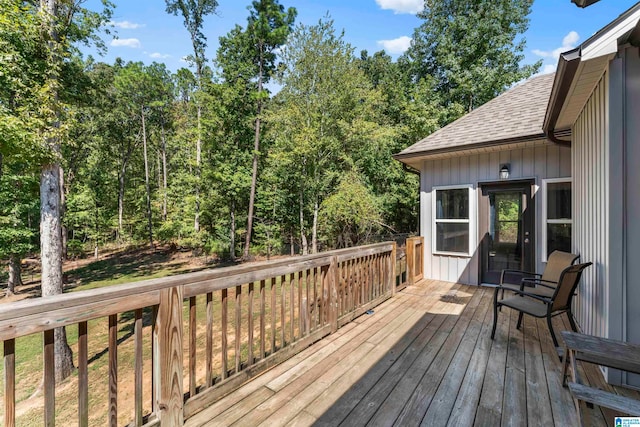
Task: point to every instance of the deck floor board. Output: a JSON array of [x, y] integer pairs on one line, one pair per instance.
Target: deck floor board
[[424, 357]]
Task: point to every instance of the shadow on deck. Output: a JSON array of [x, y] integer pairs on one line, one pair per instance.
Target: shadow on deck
[[424, 357]]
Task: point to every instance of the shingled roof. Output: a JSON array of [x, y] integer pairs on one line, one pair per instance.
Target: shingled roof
[[512, 116]]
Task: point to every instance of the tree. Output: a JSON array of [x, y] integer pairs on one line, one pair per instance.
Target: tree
[[18, 209], [322, 120], [20, 79], [345, 221], [193, 12], [473, 48], [268, 27], [64, 23]]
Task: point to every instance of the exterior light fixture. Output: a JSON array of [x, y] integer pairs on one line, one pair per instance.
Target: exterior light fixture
[[504, 171]]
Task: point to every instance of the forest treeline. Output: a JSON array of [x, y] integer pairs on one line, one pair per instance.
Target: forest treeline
[[281, 142]]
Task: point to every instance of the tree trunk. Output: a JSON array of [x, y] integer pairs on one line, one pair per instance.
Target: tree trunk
[[164, 173], [291, 246], [256, 153], [303, 236], [50, 198], [121, 201], [15, 274], [232, 236], [146, 178], [314, 231], [196, 221], [63, 208], [51, 257]]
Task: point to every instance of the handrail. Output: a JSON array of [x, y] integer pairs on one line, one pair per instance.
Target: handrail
[[260, 314]]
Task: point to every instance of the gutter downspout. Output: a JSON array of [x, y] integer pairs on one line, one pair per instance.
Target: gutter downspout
[[553, 138], [567, 68]]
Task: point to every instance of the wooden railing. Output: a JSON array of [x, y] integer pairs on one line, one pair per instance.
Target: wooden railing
[[192, 337], [415, 259]]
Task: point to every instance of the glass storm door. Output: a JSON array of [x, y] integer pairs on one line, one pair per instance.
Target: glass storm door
[[506, 230]]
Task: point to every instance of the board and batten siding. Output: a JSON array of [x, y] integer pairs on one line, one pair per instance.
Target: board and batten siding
[[624, 203], [545, 160], [590, 152]]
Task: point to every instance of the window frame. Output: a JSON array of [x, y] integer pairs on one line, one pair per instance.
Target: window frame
[[471, 221], [545, 212]]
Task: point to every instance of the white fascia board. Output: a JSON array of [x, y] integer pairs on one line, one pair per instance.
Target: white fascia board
[[607, 42]]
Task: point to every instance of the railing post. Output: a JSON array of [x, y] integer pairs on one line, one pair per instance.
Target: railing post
[[334, 281], [410, 249], [392, 271], [420, 257], [168, 371]]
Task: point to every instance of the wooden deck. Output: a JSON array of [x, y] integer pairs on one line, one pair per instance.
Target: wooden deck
[[424, 357]]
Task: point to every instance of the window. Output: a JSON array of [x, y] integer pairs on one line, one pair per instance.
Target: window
[[557, 216], [453, 226]]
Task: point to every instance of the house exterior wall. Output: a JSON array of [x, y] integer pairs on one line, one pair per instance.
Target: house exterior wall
[[539, 162], [606, 178], [590, 153]]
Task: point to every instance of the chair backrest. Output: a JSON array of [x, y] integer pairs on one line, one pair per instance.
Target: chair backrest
[[556, 263], [569, 279]]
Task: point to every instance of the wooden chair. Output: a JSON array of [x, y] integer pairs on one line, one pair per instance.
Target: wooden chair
[[604, 352], [549, 278], [542, 306]]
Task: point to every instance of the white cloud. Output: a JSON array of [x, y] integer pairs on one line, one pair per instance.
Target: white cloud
[[158, 55], [568, 42], [132, 43], [396, 46], [402, 6], [549, 68], [126, 25]]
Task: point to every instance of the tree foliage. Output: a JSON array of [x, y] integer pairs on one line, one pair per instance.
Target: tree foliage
[[144, 150], [473, 48]]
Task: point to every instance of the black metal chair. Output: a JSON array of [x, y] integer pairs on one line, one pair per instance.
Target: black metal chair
[[543, 306], [556, 263]]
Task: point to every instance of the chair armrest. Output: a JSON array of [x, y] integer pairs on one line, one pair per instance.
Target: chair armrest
[[530, 273], [539, 282], [527, 273], [534, 296]]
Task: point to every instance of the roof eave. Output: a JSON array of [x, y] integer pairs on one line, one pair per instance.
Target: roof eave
[[567, 68], [584, 3], [602, 45], [404, 157]]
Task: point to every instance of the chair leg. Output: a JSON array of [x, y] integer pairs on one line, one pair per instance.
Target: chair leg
[[553, 335], [519, 325], [495, 313]]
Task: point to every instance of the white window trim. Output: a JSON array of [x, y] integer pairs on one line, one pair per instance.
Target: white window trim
[[546, 221], [472, 221]]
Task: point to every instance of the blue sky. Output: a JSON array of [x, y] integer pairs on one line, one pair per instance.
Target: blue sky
[[147, 33]]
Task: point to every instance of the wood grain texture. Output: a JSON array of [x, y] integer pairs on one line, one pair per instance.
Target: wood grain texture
[[250, 326], [273, 315], [425, 355], [334, 280], [49, 382], [193, 329], [113, 370], [138, 372], [9, 383], [223, 333], [169, 331], [263, 320], [83, 375], [209, 341], [238, 328]]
